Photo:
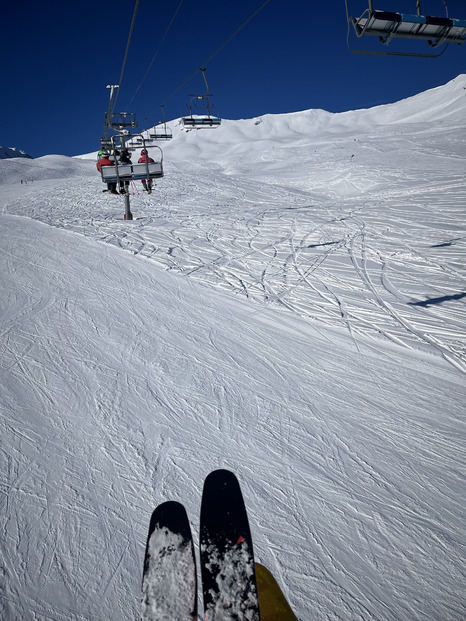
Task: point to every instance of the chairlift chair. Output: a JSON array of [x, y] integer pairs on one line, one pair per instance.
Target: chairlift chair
[[132, 172], [164, 134], [201, 120], [120, 120], [161, 131], [390, 25]]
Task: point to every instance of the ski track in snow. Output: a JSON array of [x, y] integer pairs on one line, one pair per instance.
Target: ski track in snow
[[341, 262], [292, 314]]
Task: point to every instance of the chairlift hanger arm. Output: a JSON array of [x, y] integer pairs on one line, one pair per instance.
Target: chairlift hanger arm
[[207, 94]]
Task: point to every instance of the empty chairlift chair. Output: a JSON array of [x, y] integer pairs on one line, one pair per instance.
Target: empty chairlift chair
[[390, 25], [205, 120], [161, 131]]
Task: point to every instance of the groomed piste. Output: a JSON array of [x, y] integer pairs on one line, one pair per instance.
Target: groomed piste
[[289, 304]]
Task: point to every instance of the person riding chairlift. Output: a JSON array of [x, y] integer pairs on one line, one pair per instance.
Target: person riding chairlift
[[142, 160], [105, 160], [124, 159]]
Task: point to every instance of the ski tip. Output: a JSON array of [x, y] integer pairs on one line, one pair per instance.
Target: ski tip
[[168, 507], [170, 514], [221, 474], [221, 471], [169, 504]]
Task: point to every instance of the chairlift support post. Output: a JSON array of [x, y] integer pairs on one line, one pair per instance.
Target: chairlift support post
[[128, 215], [389, 25], [131, 172], [119, 122], [110, 123]]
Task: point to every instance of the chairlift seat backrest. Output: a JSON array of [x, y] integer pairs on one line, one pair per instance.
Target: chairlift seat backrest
[[161, 136], [128, 172], [124, 170], [458, 30], [140, 170], [207, 121], [387, 25]]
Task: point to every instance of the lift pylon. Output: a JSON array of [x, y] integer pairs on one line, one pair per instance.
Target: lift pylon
[[121, 172]]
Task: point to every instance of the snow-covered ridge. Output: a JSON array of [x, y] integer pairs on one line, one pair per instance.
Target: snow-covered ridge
[[446, 103], [18, 169], [277, 140], [11, 152], [444, 106]]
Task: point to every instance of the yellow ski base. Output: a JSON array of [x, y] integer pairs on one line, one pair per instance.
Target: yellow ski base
[[272, 603]]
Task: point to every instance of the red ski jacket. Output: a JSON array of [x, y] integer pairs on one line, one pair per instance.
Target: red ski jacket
[[104, 161], [142, 160]]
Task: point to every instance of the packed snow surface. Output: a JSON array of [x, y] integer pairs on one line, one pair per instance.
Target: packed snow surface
[[289, 304]]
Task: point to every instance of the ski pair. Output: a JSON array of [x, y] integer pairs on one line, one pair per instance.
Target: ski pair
[[169, 586]]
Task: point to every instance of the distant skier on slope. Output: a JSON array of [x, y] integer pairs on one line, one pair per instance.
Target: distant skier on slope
[[142, 160], [106, 161]]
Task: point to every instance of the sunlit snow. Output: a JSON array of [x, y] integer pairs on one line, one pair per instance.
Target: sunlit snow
[[289, 303]]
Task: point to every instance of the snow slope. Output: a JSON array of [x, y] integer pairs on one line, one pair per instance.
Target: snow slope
[[290, 304]]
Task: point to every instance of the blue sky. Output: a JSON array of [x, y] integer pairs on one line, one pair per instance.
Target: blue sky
[[57, 59]]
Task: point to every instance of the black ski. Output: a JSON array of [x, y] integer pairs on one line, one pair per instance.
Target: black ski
[[169, 582], [227, 559]]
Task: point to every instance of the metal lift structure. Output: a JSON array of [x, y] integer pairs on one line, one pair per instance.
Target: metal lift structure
[[386, 26], [206, 120], [119, 123]]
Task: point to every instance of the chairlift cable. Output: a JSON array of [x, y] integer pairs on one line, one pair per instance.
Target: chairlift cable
[[217, 51], [158, 49], [127, 50], [235, 33]]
